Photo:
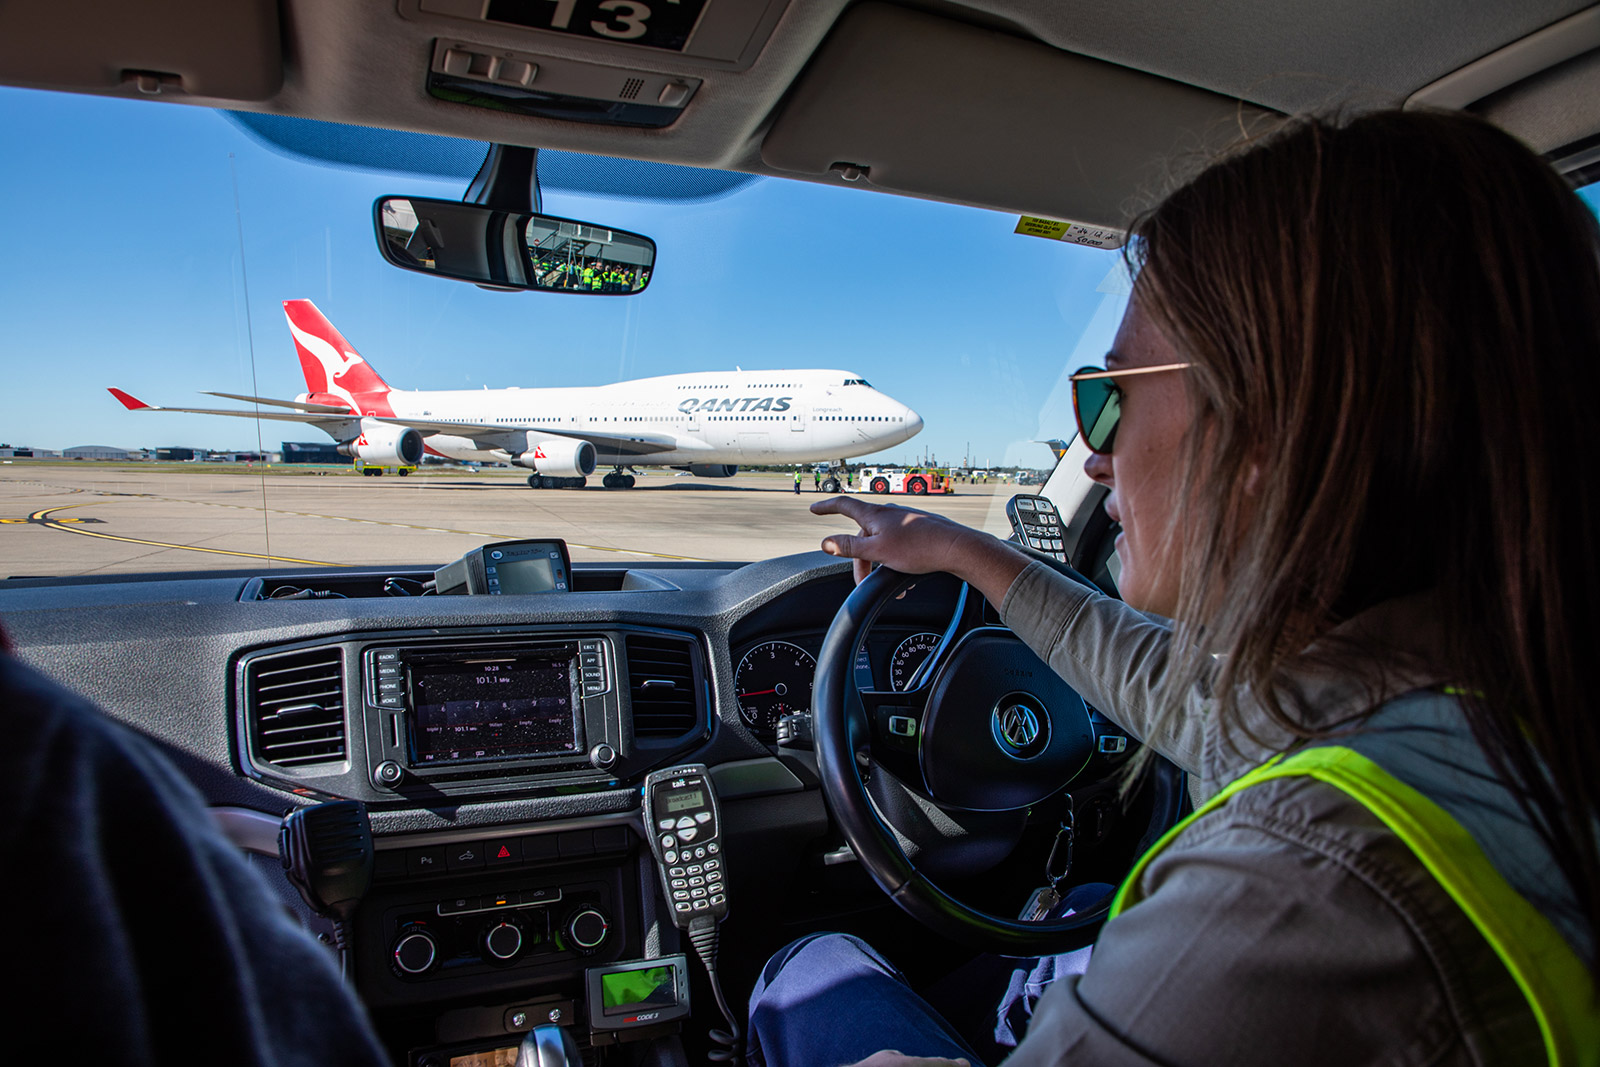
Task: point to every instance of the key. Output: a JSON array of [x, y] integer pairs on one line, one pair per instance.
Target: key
[[1038, 906]]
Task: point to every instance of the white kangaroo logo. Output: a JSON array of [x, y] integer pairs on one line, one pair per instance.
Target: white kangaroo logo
[[335, 364]]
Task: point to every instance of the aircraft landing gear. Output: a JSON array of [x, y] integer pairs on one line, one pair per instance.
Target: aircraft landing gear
[[545, 481], [617, 480]]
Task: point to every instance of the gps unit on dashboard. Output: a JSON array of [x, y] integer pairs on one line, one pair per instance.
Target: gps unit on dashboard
[[534, 566]]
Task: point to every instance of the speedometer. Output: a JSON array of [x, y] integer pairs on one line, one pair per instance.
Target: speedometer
[[773, 680], [908, 656]]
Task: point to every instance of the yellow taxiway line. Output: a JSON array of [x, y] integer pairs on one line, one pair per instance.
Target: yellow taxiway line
[[43, 518]]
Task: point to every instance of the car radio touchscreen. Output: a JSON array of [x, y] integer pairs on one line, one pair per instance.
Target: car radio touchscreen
[[494, 707]]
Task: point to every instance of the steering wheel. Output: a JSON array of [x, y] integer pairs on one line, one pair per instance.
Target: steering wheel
[[993, 728]]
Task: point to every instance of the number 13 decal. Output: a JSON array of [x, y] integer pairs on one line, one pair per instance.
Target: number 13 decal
[[627, 12]]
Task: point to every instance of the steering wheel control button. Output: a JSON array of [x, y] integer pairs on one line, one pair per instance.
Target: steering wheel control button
[[902, 726], [1113, 744]]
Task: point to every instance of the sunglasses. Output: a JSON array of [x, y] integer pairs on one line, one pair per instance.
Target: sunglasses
[[1097, 402]]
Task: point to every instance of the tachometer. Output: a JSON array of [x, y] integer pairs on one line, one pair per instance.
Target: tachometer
[[908, 656], [773, 680]]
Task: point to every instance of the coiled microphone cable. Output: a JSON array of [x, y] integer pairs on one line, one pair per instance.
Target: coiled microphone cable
[[704, 936]]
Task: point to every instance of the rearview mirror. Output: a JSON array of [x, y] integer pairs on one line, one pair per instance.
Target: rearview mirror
[[511, 250]]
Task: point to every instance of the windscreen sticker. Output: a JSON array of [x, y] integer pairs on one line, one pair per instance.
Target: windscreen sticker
[[1076, 233]]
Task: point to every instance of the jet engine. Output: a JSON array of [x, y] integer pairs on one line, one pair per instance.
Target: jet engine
[[385, 444], [713, 470], [559, 457]]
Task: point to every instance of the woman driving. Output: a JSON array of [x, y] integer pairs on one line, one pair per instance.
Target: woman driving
[[1346, 427]]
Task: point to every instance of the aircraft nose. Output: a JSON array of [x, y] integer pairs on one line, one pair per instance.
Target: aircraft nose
[[913, 422]]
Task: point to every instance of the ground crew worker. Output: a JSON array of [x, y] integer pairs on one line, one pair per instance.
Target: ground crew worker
[[1353, 476], [816, 480], [797, 481]]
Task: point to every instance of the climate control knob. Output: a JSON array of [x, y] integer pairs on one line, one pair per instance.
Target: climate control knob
[[502, 941], [587, 928], [414, 952]]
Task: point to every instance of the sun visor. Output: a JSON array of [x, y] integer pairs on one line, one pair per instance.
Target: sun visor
[[919, 104], [183, 48]]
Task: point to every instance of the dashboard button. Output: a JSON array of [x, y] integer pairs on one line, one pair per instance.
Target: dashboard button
[[536, 847], [466, 856], [545, 895], [503, 851], [428, 860], [576, 843], [457, 906]]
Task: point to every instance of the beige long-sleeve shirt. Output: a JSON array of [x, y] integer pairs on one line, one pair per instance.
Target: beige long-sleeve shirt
[[1289, 926]]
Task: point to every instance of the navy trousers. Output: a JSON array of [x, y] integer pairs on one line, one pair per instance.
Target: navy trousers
[[831, 999]]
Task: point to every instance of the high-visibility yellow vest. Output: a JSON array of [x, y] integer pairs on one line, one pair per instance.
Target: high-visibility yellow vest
[[1557, 985]]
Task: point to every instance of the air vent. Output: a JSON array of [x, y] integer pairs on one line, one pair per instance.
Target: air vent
[[662, 681], [295, 708], [630, 89]]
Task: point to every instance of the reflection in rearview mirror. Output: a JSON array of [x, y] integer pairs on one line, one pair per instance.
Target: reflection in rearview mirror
[[509, 249], [577, 255]]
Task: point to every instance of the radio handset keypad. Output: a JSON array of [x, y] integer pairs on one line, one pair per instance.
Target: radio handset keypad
[[685, 832]]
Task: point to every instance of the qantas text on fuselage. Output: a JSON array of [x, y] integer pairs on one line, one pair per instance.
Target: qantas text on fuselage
[[707, 422]]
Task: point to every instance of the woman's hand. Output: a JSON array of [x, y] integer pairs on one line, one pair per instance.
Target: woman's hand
[[917, 542], [891, 1058]]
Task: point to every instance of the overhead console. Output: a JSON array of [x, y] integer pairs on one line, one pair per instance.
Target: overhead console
[[402, 717]]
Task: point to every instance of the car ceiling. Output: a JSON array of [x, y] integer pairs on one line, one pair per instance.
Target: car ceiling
[[1073, 110]]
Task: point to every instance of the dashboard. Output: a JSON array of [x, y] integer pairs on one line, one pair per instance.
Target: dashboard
[[499, 745]]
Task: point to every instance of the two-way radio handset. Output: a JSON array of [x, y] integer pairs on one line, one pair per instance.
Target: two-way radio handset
[[684, 827]]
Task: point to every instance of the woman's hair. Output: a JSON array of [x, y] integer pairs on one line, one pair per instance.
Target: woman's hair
[[1395, 324]]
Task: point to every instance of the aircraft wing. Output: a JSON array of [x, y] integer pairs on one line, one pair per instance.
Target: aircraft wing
[[314, 418], [320, 409], [611, 444], [513, 438]]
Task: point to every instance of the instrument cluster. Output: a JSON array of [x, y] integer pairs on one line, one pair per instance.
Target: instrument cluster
[[774, 677]]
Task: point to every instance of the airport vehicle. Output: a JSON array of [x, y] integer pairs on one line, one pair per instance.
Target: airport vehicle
[[707, 423], [917, 481], [960, 103]]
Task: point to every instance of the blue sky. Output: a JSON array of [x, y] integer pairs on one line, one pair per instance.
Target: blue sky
[[125, 269]]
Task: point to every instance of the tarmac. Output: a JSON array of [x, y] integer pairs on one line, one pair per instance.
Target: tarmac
[[61, 517]]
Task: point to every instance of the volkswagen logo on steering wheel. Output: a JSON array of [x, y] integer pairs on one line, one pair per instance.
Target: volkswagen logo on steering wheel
[[1021, 726]]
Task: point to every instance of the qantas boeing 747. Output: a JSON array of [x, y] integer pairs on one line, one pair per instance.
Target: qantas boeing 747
[[706, 423]]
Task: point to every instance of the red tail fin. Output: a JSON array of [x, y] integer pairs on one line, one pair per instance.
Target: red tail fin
[[330, 363]]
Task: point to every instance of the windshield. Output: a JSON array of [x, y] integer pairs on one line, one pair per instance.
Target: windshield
[[791, 337]]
